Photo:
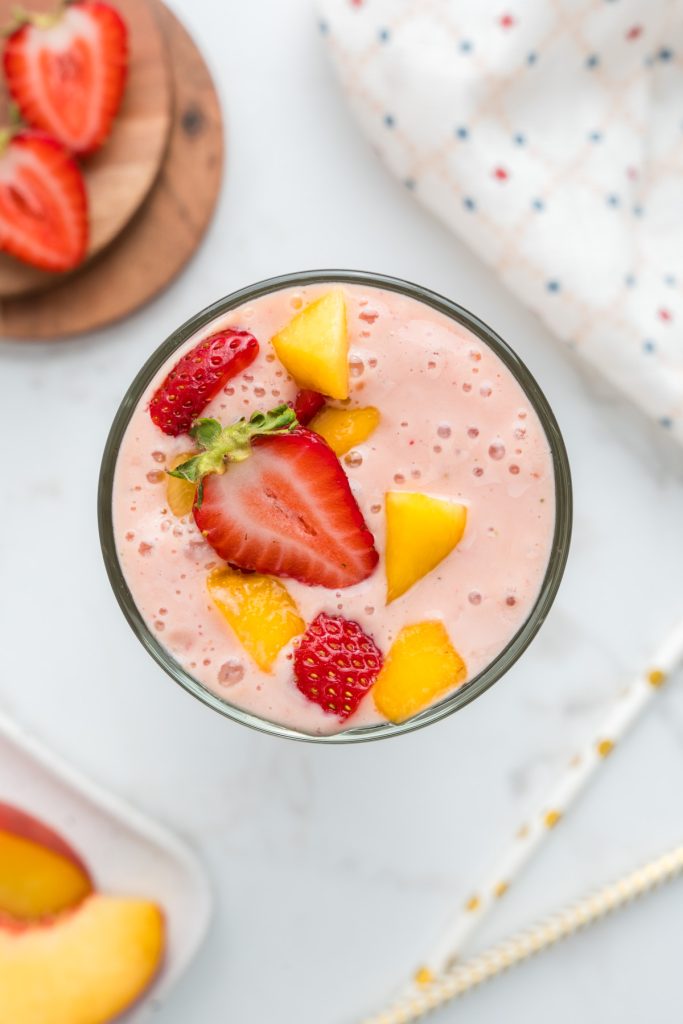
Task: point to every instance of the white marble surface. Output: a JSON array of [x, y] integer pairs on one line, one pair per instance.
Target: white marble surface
[[334, 868]]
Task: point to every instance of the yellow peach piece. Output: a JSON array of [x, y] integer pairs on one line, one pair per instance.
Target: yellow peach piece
[[36, 881], [421, 665], [259, 610], [421, 531], [314, 346], [84, 967], [180, 493], [343, 429]]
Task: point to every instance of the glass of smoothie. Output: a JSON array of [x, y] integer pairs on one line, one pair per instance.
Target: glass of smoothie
[[335, 506]]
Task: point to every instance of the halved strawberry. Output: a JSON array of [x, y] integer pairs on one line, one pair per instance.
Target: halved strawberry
[[67, 71], [306, 404], [274, 498], [43, 202], [198, 377]]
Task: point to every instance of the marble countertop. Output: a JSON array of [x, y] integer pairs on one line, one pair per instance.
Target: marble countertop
[[334, 869]]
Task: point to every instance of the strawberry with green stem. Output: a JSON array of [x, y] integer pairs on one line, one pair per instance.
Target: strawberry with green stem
[[273, 498]]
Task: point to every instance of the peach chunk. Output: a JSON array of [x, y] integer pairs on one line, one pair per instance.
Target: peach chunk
[[421, 531], [421, 665], [343, 429], [260, 611], [84, 967], [314, 347], [180, 493], [39, 872]]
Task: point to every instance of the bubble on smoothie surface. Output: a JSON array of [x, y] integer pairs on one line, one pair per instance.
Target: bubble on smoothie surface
[[475, 355], [259, 392], [356, 366], [467, 387], [231, 672], [144, 548], [375, 508], [485, 390], [368, 315], [474, 597], [510, 601], [477, 471], [497, 451], [159, 456], [353, 459], [514, 469], [399, 478], [155, 476], [519, 433], [473, 432], [443, 430]]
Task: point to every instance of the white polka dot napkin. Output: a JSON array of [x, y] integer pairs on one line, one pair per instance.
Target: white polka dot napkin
[[548, 134]]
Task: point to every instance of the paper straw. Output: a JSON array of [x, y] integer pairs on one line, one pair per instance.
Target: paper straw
[[463, 977], [581, 768]]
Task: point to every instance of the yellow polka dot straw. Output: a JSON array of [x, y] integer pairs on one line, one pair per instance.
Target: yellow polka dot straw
[[580, 769], [434, 991]]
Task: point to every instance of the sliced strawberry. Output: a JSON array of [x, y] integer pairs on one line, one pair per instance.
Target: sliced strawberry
[[43, 203], [67, 71], [336, 663], [273, 497], [198, 377], [306, 404]]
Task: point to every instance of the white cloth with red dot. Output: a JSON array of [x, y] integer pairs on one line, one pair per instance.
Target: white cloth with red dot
[[549, 137]]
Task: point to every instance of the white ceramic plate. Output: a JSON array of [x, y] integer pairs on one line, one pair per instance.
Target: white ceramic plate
[[126, 852]]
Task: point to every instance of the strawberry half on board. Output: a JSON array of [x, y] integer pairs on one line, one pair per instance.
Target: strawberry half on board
[[272, 497], [43, 202], [198, 376], [67, 71]]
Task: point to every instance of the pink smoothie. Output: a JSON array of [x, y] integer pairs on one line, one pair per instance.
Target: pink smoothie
[[454, 423]]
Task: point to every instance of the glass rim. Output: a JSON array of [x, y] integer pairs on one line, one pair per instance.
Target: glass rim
[[559, 551]]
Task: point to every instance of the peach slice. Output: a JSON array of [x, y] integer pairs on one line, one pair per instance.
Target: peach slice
[[260, 611], [421, 665], [40, 874], [343, 429], [314, 346], [421, 531], [84, 967], [180, 493]]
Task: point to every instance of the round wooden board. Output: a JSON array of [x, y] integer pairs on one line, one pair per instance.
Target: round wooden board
[[165, 232], [119, 176]]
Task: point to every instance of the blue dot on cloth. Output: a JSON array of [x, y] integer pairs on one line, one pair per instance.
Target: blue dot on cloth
[[410, 183], [595, 136], [531, 58], [592, 61], [469, 203], [553, 286], [465, 46], [538, 204], [612, 199], [649, 345], [462, 132], [666, 422], [384, 35], [389, 120], [519, 139]]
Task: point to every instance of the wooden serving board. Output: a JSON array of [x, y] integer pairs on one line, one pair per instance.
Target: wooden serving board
[[119, 176], [166, 230]]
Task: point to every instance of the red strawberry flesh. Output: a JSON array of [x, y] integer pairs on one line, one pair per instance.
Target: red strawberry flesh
[[335, 664], [306, 404], [287, 510], [43, 203], [67, 72], [198, 377]]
